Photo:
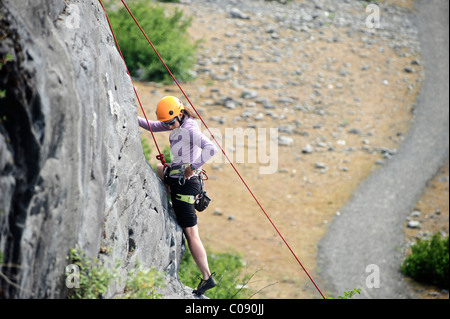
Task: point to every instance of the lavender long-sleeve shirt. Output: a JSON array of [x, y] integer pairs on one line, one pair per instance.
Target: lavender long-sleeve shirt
[[187, 143]]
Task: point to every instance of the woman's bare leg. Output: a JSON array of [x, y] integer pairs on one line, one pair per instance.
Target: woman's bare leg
[[197, 250]]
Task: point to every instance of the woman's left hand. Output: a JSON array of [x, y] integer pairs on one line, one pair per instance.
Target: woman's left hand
[[188, 173]]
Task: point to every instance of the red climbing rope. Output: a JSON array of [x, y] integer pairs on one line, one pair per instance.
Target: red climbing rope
[[161, 156]]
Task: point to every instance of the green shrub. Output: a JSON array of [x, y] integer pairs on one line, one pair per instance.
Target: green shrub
[[95, 279], [349, 294], [228, 267], [429, 261], [167, 32], [142, 284]]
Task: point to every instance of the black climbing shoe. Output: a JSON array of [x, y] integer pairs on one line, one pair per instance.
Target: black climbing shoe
[[205, 285]]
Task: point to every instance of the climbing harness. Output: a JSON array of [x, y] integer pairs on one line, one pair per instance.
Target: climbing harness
[[203, 200], [190, 199], [160, 156], [200, 201], [179, 170]]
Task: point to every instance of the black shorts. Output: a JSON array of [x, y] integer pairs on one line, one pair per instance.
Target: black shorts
[[185, 211]]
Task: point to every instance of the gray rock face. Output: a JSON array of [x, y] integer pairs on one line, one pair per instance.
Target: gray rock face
[[72, 170]]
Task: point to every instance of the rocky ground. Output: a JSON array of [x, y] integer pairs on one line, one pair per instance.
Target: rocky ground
[[342, 96]]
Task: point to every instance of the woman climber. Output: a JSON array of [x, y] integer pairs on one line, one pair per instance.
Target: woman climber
[[190, 150]]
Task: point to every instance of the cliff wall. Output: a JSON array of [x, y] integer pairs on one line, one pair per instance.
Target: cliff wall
[[72, 170]]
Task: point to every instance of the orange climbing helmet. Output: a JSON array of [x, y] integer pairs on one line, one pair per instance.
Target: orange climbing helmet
[[168, 108]]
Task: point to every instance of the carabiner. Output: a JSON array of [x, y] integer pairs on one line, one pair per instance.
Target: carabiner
[[181, 180]]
